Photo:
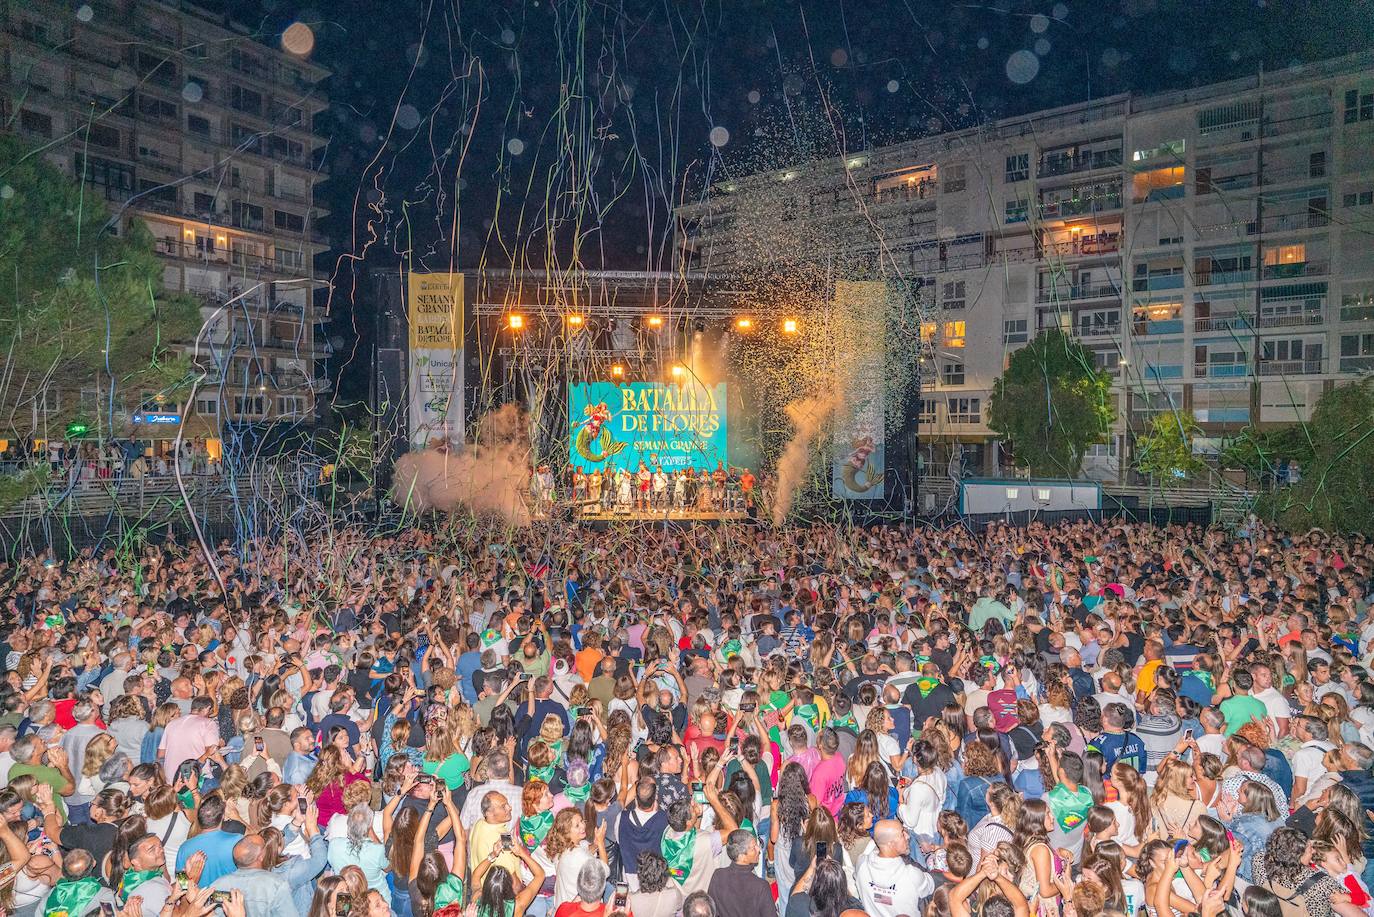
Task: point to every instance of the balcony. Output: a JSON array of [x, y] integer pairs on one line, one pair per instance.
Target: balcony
[[1357, 313], [1291, 269], [1096, 329], [1169, 193], [1150, 282], [1102, 243], [1277, 127], [1077, 292], [1073, 207], [1237, 182], [1149, 328], [1223, 321], [1220, 370], [1291, 319], [1290, 367], [1284, 222], [1362, 364], [923, 190], [1220, 278], [1053, 165]]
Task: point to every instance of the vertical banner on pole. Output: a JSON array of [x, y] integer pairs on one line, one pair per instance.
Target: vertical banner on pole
[[435, 308], [858, 467]]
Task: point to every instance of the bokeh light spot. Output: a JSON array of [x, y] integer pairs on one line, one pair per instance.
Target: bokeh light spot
[[407, 117], [84, 13], [1022, 66], [839, 57], [192, 92], [1039, 23], [719, 136], [893, 85], [298, 39], [1042, 46], [515, 146]]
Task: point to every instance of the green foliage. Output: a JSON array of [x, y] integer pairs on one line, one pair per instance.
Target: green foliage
[[350, 449], [1164, 452], [1259, 452], [76, 301], [15, 488], [1052, 403], [1338, 478]]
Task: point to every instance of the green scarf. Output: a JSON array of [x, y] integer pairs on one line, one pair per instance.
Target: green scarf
[[1206, 678], [845, 722], [70, 898], [678, 852], [731, 648], [448, 892], [989, 662], [542, 773], [557, 749], [534, 828], [577, 794], [132, 879], [810, 713], [490, 637], [926, 684]]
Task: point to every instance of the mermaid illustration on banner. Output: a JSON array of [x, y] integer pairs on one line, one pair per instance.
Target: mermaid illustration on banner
[[594, 441]]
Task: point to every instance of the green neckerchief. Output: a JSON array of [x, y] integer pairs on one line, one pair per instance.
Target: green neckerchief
[[1207, 678], [577, 794], [810, 713], [542, 773], [921, 661], [557, 749], [678, 852], [925, 684], [69, 898], [731, 648], [132, 879], [448, 892], [533, 829], [988, 662]]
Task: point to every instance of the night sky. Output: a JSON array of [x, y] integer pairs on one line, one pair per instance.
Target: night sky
[[567, 129]]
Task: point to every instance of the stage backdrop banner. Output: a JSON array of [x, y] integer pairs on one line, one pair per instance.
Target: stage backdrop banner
[[435, 308], [672, 426], [858, 460]]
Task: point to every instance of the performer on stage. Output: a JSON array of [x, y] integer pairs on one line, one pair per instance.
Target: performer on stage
[[594, 487], [643, 481], [660, 500], [623, 486], [718, 486], [579, 485]]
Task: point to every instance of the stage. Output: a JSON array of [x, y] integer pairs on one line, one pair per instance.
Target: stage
[[612, 515]]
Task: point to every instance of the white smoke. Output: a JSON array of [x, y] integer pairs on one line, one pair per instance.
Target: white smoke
[[808, 416], [488, 477]]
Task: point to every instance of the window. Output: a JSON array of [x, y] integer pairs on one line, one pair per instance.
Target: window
[[1285, 254], [247, 216], [116, 179], [954, 334], [1017, 210], [48, 399], [1357, 353], [1014, 331], [956, 178], [1359, 106], [952, 295], [33, 31], [104, 135], [197, 125], [245, 100], [207, 406], [250, 404], [204, 203], [1109, 360], [1158, 184], [35, 122], [244, 62], [290, 405], [1358, 198], [290, 222], [1018, 167], [929, 407], [1316, 165], [285, 114], [928, 332], [157, 109], [964, 410], [1169, 149], [952, 374], [156, 68], [282, 148], [289, 259]]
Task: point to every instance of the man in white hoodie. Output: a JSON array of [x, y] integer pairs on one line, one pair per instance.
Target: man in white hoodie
[[889, 884]]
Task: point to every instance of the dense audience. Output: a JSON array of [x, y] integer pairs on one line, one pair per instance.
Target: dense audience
[[713, 722]]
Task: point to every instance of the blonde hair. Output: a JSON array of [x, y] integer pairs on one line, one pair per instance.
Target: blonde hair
[[99, 750], [164, 714], [551, 730]]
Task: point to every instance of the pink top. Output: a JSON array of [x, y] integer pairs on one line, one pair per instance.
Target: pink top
[[827, 783], [186, 737]]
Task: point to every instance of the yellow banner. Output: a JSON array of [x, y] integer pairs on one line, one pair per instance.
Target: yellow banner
[[436, 311]]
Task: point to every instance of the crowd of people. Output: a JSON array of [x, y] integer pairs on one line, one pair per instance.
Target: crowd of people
[[734, 721], [109, 460], [646, 489]]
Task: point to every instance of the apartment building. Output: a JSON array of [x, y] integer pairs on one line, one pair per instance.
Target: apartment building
[[204, 131], [1213, 248]]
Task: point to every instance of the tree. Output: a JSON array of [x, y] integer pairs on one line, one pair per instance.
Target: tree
[[1164, 452], [1052, 403], [81, 307], [1337, 481]]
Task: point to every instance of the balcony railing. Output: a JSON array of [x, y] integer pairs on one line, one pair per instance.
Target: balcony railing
[[1362, 364], [1223, 321], [1292, 319], [1290, 367], [1148, 328], [1158, 282], [1357, 313], [1276, 127], [1217, 278], [1052, 165], [1292, 269], [1079, 206], [1096, 329], [1074, 292], [1283, 222], [909, 191], [1220, 370]]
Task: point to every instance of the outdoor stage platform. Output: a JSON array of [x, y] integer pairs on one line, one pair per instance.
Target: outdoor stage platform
[[601, 517]]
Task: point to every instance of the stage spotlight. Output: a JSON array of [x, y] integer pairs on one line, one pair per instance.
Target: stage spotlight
[[575, 321], [744, 324], [617, 371], [789, 326], [678, 371], [515, 321], [654, 322]]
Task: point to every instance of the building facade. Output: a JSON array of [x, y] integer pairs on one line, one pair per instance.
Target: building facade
[[185, 120], [1213, 248]]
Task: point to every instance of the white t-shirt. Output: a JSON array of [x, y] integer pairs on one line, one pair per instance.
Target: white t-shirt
[[1275, 703], [889, 886], [566, 868], [1307, 762], [173, 839], [1213, 743]]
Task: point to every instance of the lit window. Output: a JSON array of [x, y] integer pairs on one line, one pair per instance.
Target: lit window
[[1285, 254], [954, 334]]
